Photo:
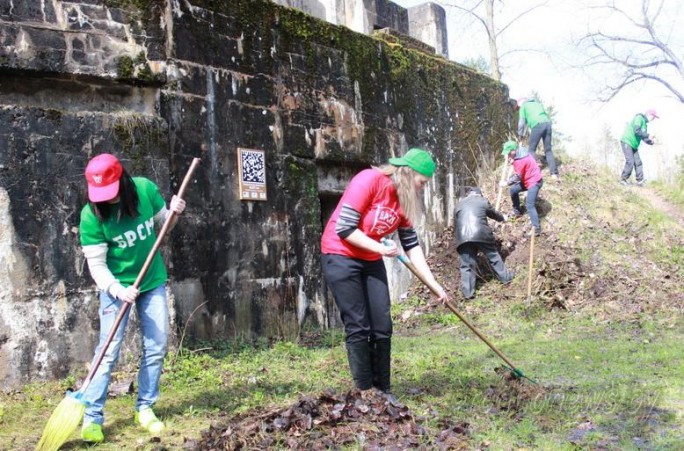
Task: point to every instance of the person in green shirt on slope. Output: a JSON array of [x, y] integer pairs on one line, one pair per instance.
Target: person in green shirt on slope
[[533, 115], [635, 132], [117, 232]]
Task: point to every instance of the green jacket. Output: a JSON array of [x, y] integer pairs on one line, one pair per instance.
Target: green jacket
[[531, 113], [635, 131]]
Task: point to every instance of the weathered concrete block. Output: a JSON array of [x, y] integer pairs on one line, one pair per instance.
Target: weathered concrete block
[[427, 23], [27, 11]]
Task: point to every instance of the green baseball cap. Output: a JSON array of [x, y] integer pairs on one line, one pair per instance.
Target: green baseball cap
[[418, 160], [508, 147]]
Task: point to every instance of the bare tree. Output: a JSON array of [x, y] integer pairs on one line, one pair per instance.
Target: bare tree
[[639, 53], [493, 32]]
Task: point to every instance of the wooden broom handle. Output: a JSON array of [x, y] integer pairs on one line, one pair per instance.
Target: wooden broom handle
[[167, 224], [141, 275]]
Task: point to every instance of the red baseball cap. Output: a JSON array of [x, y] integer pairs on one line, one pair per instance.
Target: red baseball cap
[[103, 174]]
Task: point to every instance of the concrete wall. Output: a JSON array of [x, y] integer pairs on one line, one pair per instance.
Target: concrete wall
[[165, 81], [427, 23], [328, 10]]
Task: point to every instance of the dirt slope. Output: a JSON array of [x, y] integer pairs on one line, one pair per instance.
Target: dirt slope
[[605, 251], [604, 247]]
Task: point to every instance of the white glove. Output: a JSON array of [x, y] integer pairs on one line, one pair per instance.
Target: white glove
[[177, 205], [130, 294], [127, 294], [505, 216]]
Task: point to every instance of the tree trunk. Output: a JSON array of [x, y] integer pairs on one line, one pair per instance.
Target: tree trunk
[[491, 32]]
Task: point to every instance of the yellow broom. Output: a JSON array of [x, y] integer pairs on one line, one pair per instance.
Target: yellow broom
[[69, 413]]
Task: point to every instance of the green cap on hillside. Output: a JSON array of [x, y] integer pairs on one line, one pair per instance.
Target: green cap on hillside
[[508, 147], [418, 160]]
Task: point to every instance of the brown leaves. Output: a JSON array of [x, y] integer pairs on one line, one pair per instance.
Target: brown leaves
[[330, 421]]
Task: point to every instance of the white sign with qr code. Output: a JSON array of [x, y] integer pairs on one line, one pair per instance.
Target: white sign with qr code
[[252, 171]]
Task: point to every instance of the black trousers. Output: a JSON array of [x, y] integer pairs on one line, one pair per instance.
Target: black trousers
[[362, 295], [468, 255], [543, 132]]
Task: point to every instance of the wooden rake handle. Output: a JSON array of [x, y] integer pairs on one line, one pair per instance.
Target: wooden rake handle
[[451, 307], [141, 275], [530, 270], [504, 177]]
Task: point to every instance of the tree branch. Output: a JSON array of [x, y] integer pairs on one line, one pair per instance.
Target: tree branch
[[519, 16], [637, 57]]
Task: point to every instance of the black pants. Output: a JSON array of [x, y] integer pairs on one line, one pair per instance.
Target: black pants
[[468, 254], [543, 132], [362, 295]]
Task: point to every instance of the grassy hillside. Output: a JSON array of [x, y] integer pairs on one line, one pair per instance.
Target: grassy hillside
[[601, 335]]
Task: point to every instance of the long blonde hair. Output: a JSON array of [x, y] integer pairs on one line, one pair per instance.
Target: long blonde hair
[[402, 177]]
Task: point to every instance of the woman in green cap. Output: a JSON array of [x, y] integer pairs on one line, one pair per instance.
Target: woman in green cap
[[377, 202]]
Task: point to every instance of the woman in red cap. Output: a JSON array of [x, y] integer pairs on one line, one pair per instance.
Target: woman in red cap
[[117, 233], [376, 203]]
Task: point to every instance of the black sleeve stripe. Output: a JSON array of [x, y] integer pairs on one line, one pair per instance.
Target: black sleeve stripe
[[347, 222], [408, 238]]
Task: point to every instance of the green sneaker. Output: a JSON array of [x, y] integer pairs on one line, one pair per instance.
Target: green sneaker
[[149, 421], [92, 433]]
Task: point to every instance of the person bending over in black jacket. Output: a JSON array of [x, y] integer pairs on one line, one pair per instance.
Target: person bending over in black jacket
[[473, 234]]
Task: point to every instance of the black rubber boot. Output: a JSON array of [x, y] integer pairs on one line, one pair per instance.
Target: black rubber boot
[[382, 365], [359, 357]]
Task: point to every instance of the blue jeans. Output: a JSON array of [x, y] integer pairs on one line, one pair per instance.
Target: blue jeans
[[532, 193], [153, 314]]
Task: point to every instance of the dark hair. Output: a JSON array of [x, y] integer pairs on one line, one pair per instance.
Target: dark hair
[[127, 205]]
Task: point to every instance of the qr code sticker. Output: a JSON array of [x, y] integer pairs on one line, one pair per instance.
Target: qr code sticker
[[253, 167]]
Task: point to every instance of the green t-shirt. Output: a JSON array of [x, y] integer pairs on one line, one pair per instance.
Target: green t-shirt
[[533, 113], [129, 240], [630, 135]]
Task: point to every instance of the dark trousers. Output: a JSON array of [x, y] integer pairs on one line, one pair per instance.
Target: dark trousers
[[632, 162], [532, 194], [542, 131], [362, 296], [468, 256]]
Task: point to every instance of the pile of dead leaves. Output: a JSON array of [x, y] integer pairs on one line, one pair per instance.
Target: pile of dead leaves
[[332, 421]]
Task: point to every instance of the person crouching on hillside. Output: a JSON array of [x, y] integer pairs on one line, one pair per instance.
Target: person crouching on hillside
[[377, 202], [527, 170], [473, 234]]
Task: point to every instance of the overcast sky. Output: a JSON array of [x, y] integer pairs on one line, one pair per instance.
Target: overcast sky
[[552, 67]]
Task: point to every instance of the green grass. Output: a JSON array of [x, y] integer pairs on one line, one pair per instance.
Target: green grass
[[603, 384], [609, 378]]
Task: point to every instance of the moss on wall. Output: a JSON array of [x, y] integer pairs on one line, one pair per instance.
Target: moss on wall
[[136, 134]]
